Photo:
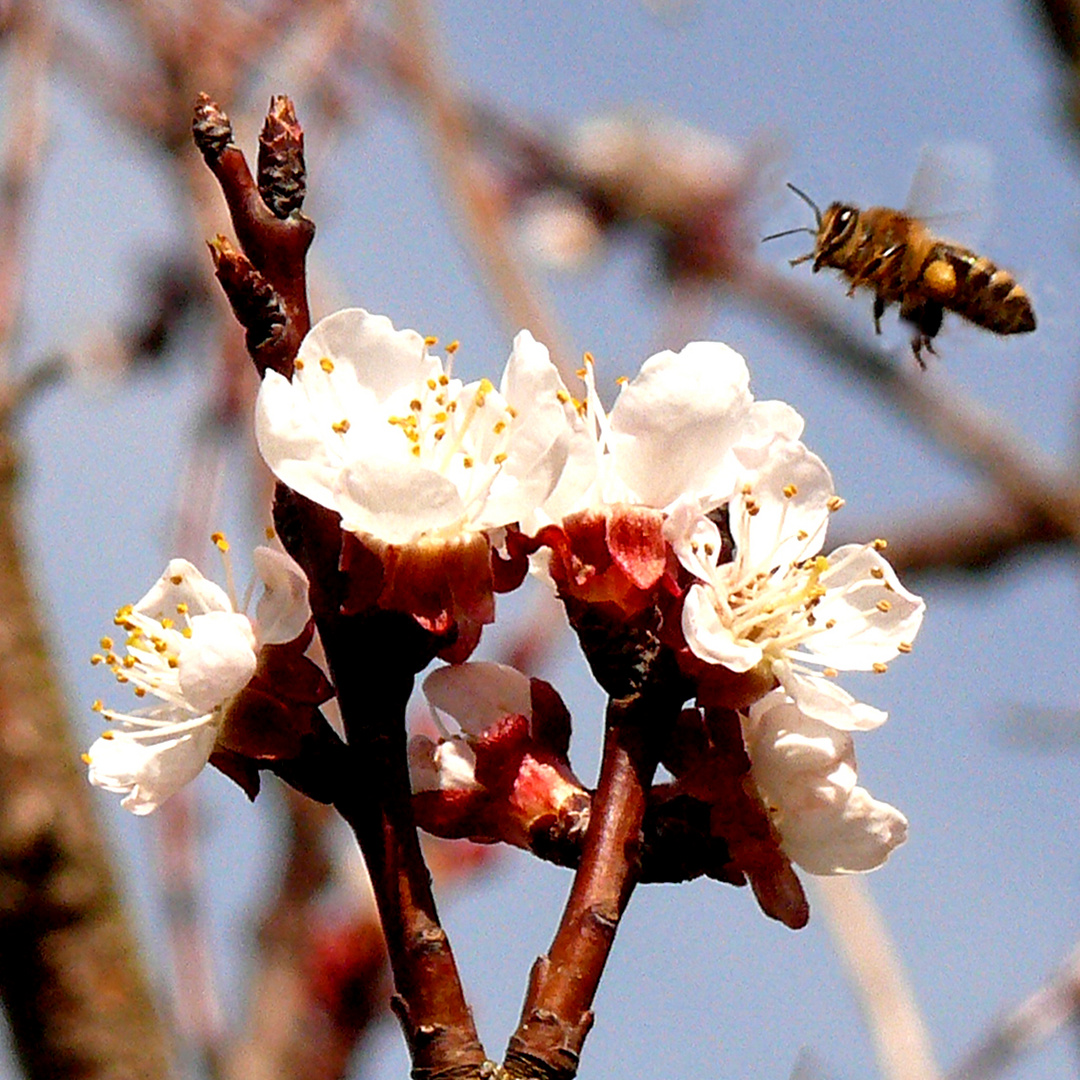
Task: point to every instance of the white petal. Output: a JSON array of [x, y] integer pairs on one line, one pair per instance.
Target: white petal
[[784, 528], [708, 637], [678, 419], [479, 694], [455, 761], [147, 774], [283, 610], [182, 583], [822, 699], [295, 441], [693, 537], [852, 837], [396, 500], [864, 634], [218, 659], [805, 771], [369, 356]]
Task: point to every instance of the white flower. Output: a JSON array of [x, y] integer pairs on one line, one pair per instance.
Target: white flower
[[776, 602], [687, 424], [477, 695], [805, 773], [375, 428], [187, 645]]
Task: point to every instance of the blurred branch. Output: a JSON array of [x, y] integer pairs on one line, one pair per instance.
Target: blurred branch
[[878, 979], [448, 119], [1021, 1029]]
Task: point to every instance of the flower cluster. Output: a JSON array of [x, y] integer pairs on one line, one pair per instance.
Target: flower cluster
[[691, 514]]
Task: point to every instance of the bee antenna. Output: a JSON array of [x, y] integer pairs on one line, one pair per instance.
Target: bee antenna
[[788, 232], [809, 202]]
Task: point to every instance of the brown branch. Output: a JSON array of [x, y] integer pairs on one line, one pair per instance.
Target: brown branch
[[557, 1013], [372, 656]]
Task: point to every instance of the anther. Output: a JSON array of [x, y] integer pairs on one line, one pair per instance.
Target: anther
[[877, 572], [904, 647], [219, 541], [341, 426], [790, 491], [881, 668], [177, 579], [883, 606], [327, 364], [453, 347], [834, 503], [499, 458], [430, 341], [879, 544]]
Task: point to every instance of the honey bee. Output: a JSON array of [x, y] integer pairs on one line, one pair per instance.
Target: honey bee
[[902, 261]]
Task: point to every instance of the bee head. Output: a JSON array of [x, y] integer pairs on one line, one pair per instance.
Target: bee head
[[835, 228], [816, 232]]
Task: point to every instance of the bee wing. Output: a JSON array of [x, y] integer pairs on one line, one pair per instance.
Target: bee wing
[[952, 191]]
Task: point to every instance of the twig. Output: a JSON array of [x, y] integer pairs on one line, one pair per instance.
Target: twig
[[557, 1013], [878, 979], [1023, 1028]]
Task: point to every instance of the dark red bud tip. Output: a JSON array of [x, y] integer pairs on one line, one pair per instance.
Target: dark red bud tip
[[210, 128], [282, 176]]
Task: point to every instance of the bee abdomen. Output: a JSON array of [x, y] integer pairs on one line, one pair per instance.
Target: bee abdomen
[[984, 293]]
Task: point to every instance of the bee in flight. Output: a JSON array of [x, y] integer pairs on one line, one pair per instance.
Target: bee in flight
[[904, 263]]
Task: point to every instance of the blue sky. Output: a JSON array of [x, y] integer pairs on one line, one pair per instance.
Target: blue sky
[[983, 898]]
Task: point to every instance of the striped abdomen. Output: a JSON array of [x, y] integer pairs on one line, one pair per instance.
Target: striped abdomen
[[972, 286]]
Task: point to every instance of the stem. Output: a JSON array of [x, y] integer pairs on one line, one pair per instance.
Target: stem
[[557, 1013], [376, 801]]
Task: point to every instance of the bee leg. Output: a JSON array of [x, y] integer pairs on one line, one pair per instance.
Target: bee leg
[[879, 310], [926, 315]]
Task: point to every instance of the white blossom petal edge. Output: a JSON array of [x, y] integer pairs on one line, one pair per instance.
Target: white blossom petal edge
[[374, 427], [775, 601], [187, 646], [805, 773]]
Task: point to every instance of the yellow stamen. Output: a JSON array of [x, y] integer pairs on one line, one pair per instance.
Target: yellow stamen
[[790, 491], [341, 426], [431, 340], [881, 668], [883, 606], [327, 365]]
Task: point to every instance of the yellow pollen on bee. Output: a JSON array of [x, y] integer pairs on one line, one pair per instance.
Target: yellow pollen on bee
[[219, 541], [830, 672], [880, 668], [453, 346], [879, 544], [877, 572], [341, 426], [835, 503], [499, 458], [467, 462], [327, 365], [431, 340], [883, 606], [790, 491], [904, 647]]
